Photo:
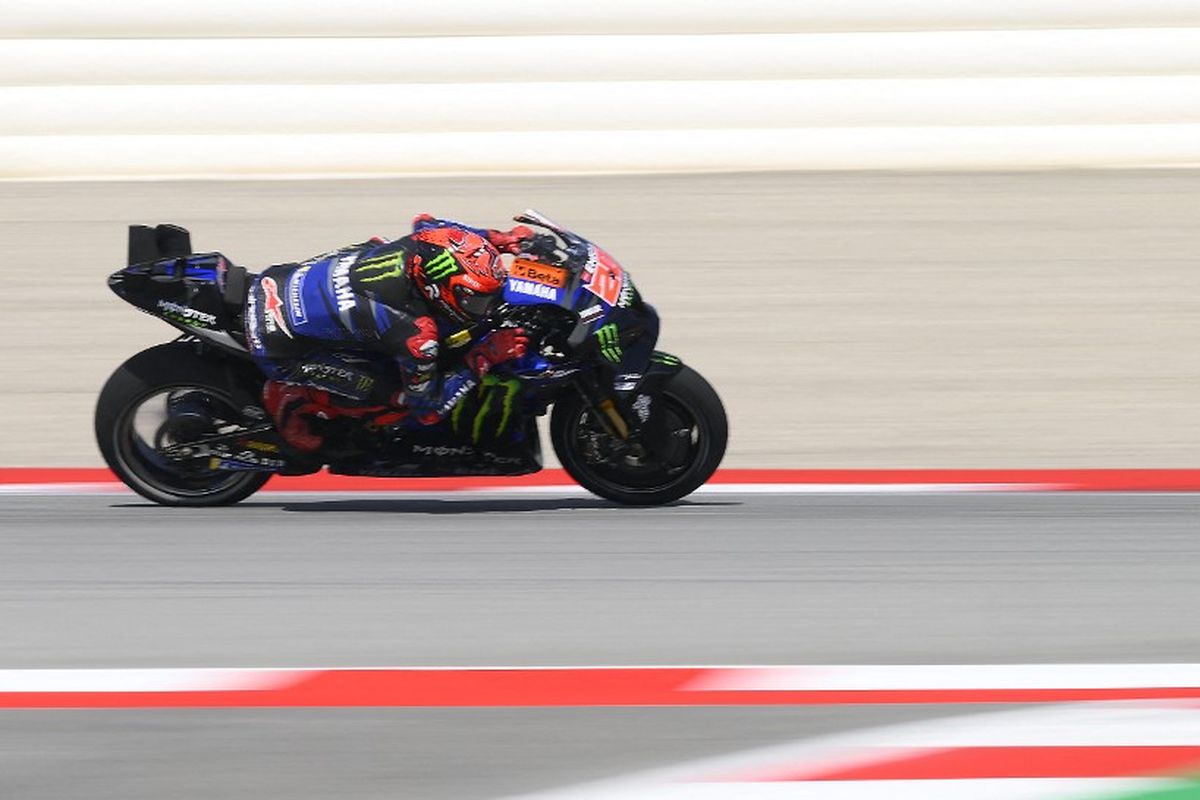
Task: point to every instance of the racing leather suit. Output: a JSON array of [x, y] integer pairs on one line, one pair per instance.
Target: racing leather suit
[[323, 331]]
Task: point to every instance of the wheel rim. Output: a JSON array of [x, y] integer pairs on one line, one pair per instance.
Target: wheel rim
[[677, 441], [143, 430]]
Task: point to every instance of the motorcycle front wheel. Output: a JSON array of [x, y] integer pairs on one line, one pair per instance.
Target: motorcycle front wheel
[[684, 434]]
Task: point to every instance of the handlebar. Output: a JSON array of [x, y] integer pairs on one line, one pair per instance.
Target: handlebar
[[540, 245]]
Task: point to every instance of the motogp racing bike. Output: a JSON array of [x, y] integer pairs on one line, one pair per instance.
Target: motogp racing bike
[[182, 423]]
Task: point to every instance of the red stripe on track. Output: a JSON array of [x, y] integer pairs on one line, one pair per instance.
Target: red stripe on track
[[401, 687], [633, 686], [1093, 480], [972, 763]]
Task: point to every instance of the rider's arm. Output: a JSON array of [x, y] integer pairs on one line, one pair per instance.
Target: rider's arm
[[434, 396]]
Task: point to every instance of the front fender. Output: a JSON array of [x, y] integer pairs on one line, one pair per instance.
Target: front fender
[[660, 368]]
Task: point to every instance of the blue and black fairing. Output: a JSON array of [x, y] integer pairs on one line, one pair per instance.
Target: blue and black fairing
[[199, 293], [615, 328]]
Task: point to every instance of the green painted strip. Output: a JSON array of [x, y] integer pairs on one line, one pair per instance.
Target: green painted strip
[[1174, 790]]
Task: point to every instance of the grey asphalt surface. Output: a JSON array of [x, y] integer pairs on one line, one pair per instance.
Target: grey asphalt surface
[[514, 580]]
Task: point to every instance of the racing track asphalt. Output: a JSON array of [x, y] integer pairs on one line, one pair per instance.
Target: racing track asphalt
[[109, 581]]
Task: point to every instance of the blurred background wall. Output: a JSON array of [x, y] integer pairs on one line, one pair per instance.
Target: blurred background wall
[[922, 234]]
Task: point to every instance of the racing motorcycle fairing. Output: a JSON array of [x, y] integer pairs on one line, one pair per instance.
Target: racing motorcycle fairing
[[199, 293], [584, 279]]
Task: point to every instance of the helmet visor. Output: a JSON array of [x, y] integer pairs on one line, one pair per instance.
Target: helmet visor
[[474, 304]]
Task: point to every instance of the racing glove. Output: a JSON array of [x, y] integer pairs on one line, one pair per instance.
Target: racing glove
[[510, 241], [497, 347]]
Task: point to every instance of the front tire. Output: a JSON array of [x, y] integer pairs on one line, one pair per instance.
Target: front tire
[[129, 443], [685, 437]]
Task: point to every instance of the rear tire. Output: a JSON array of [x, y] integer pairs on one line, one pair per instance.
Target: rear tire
[[158, 371], [694, 431]]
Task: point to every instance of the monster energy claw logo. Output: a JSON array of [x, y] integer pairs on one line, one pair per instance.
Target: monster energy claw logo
[[609, 341], [491, 386], [659, 357], [389, 266], [441, 266]]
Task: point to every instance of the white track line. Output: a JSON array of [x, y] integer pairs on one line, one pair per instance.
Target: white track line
[[883, 677]]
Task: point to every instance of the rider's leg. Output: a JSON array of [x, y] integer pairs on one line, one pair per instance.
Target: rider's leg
[[326, 386]]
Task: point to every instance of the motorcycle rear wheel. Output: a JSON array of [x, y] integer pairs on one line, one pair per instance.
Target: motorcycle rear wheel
[[131, 427], [685, 437]]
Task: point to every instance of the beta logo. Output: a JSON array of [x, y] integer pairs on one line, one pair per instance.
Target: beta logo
[[525, 289], [539, 273]]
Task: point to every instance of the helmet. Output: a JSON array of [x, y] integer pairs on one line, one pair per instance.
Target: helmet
[[458, 270]]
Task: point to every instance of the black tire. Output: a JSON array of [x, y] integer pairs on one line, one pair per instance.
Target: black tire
[[687, 399], [149, 373]]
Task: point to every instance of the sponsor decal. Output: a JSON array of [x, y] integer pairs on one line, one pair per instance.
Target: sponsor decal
[[497, 459], [641, 407], [458, 395], [262, 447], [607, 276], [609, 340], [559, 372], [258, 465], [295, 294], [273, 306], [187, 315], [628, 293], [441, 266], [533, 289], [380, 268], [463, 451], [659, 357], [442, 450], [339, 278], [627, 382], [591, 314], [539, 273], [223, 458], [252, 332], [492, 386], [347, 377]]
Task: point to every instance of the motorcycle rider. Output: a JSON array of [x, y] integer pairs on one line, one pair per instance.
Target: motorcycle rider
[[320, 328]]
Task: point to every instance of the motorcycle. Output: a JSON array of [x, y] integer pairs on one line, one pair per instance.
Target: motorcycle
[[182, 423]]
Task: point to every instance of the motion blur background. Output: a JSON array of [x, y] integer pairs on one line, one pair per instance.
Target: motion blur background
[[917, 234]]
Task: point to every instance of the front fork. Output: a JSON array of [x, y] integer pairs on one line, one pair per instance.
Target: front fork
[[602, 400], [625, 424]]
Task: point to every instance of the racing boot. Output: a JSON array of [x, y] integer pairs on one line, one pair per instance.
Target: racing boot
[[290, 405]]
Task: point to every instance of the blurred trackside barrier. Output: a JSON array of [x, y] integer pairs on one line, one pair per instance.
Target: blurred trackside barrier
[[144, 89]]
